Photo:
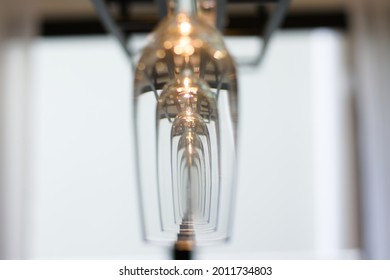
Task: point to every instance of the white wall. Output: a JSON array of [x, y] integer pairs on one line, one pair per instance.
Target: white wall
[[83, 201]]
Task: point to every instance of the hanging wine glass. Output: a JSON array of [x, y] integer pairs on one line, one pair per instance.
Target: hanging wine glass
[[185, 96]]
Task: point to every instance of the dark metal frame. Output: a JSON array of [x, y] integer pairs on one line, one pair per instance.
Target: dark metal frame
[[122, 28], [236, 25]]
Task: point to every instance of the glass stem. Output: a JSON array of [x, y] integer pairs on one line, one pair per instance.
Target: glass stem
[[186, 6]]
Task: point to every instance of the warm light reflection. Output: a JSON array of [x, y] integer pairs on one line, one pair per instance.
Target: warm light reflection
[[184, 47], [219, 54], [185, 28], [186, 82]]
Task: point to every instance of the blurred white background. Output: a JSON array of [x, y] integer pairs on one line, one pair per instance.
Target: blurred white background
[[296, 167], [314, 158]]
